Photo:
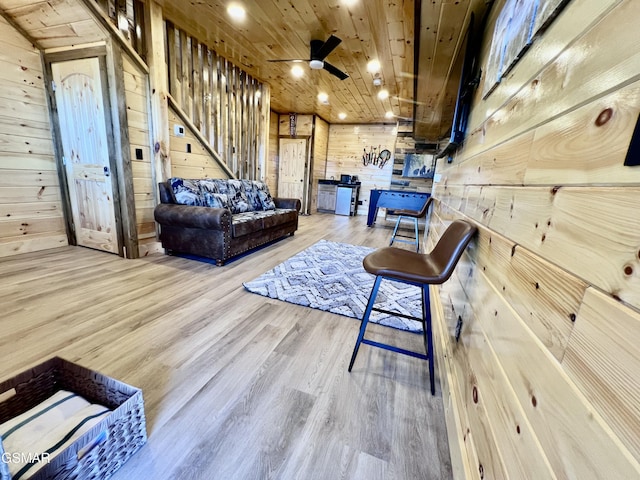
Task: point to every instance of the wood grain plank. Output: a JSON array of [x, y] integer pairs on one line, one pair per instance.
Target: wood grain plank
[[602, 359], [461, 446], [480, 427], [26, 227], [545, 297], [568, 151], [568, 226], [573, 436]]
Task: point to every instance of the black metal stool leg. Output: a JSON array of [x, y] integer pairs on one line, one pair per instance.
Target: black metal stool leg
[[428, 335], [365, 318]]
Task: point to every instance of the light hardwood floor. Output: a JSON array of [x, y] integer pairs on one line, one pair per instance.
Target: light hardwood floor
[[236, 386]]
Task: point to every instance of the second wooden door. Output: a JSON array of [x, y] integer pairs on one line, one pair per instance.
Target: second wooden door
[[83, 132], [292, 170]]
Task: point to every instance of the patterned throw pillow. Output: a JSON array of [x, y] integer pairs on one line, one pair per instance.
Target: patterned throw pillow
[[220, 185], [265, 196], [186, 192], [251, 190], [216, 200], [208, 185], [238, 201]]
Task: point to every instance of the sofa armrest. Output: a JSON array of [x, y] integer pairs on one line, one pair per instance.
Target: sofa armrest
[[292, 203], [192, 217]]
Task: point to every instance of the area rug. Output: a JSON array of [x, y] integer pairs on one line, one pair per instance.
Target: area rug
[[329, 276]]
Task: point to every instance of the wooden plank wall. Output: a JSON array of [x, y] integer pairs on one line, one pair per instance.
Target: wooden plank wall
[[198, 163], [272, 156], [344, 156], [144, 186], [225, 104], [543, 382], [31, 216], [319, 158]]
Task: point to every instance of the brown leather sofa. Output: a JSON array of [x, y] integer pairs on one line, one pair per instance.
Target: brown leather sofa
[[217, 233]]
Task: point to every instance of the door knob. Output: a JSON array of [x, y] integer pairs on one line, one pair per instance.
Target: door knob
[[106, 171]]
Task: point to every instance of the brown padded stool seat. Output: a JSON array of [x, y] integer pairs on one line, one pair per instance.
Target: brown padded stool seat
[[411, 267], [416, 269]]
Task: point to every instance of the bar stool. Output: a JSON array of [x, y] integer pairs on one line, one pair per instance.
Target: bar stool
[[410, 215], [417, 269]]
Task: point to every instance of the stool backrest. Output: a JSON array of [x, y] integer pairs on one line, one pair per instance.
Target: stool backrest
[[425, 207], [449, 248]]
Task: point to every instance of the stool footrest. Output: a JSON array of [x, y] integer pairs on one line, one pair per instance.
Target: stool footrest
[[395, 349], [397, 314], [412, 240]]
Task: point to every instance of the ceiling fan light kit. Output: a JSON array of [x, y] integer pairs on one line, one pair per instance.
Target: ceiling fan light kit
[[319, 50]]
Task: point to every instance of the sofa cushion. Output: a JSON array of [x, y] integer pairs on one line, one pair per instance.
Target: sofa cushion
[[246, 223], [279, 216], [186, 192]]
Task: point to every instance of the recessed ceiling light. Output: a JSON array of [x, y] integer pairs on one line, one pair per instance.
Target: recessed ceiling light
[[323, 97], [297, 71], [349, 3], [389, 114], [383, 94], [342, 115], [236, 11], [373, 66]]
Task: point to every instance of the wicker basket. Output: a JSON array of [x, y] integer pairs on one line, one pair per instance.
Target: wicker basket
[[125, 427]]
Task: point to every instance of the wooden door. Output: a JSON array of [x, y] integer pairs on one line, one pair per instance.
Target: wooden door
[[293, 161], [83, 133]]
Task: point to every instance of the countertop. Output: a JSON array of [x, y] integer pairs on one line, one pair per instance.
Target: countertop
[[338, 183]]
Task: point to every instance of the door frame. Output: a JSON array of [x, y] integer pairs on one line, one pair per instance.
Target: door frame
[[117, 131]]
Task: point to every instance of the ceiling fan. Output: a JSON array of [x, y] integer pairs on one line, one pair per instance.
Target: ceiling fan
[[319, 51]]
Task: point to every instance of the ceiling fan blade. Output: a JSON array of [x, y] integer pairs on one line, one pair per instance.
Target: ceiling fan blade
[[328, 47], [335, 71]]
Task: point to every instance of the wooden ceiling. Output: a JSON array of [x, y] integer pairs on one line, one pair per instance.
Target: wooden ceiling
[[370, 29], [416, 42]]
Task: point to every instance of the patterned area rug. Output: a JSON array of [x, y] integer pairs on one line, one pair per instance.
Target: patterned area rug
[[329, 276]]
